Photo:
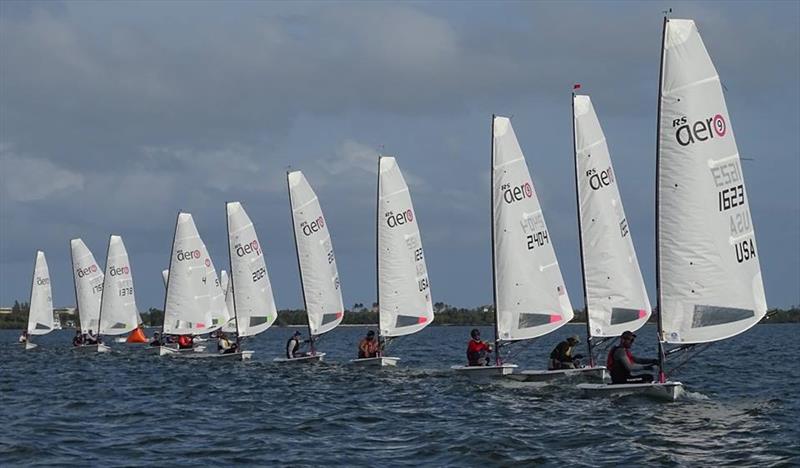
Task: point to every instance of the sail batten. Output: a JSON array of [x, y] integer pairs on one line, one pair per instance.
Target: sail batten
[[404, 296], [709, 274], [530, 292]]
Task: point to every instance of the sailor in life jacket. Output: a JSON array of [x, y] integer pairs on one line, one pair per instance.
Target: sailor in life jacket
[[477, 350], [563, 355], [293, 346], [621, 362], [368, 347]]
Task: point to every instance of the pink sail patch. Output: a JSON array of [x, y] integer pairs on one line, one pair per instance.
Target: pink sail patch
[[642, 313], [422, 320], [555, 318], [201, 325], [339, 315]]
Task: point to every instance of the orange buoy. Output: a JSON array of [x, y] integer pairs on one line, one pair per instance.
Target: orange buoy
[[137, 336]]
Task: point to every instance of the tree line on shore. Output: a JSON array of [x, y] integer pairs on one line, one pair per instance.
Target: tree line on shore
[[359, 314]]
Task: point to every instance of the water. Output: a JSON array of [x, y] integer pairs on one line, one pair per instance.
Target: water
[[128, 408]]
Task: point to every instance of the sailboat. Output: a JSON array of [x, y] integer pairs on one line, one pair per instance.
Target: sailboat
[[404, 297], [88, 278], [319, 277], [254, 308], [187, 301], [530, 298], [707, 271], [118, 312], [40, 314], [614, 291]]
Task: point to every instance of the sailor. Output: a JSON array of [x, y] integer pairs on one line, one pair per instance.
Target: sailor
[[23, 338], [293, 346], [224, 345], [368, 347], [156, 339], [562, 356], [477, 350], [90, 338], [185, 342], [77, 340], [621, 362]]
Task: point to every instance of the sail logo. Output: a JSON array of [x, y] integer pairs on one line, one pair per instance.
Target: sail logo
[[700, 130], [246, 249], [312, 227], [118, 271], [598, 180], [208, 263], [187, 255], [518, 193], [42, 281], [81, 272], [399, 219]]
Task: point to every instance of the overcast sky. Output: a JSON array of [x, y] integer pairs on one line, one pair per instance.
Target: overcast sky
[[114, 116]]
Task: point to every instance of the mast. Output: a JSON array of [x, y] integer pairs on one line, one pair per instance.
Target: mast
[[230, 277], [580, 236], [661, 356], [166, 287], [494, 275], [102, 293], [299, 268], [378, 253]]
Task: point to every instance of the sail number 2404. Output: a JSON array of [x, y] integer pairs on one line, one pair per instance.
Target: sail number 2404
[[537, 239]]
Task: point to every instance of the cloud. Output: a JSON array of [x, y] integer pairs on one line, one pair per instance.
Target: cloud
[[28, 179]]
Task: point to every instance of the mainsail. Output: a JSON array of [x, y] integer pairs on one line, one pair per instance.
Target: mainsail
[[404, 295], [187, 309], [710, 284], [531, 296], [319, 276], [40, 315], [219, 309], [254, 304], [118, 312], [88, 278], [616, 298]]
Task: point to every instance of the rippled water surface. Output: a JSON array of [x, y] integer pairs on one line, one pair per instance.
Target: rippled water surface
[[129, 408]]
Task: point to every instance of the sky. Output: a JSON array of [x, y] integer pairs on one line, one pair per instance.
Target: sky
[[116, 115]]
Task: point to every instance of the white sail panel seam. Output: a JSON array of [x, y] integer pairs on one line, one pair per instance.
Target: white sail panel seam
[[692, 84], [592, 145]]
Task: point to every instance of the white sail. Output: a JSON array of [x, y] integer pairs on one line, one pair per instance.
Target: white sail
[[403, 286], [223, 282], [320, 277], [40, 316], [219, 309], [165, 276], [187, 310], [710, 277], [252, 292], [88, 277], [229, 327], [615, 292], [118, 312], [531, 296]]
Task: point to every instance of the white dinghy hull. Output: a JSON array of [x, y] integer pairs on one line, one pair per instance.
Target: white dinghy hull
[[668, 391], [317, 357], [482, 372], [237, 356], [29, 345], [170, 351], [101, 348], [589, 373], [382, 361]]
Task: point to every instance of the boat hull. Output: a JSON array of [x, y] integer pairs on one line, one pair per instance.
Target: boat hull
[[29, 345], [101, 348], [237, 356], [588, 373], [483, 372], [667, 391], [300, 360], [382, 361]]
